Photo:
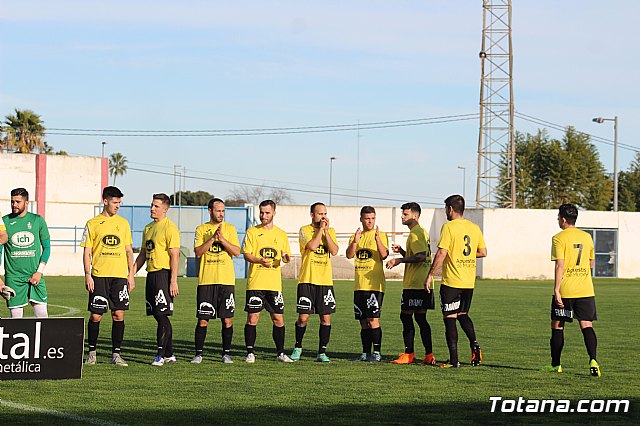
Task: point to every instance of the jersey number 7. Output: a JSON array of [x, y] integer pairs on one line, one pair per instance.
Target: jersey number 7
[[579, 247]]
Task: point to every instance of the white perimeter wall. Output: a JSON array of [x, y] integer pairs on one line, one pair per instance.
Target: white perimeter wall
[[345, 220], [518, 241], [628, 232], [73, 188], [16, 171]]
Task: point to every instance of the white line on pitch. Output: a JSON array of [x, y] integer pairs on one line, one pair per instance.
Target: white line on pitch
[[70, 310], [90, 420]]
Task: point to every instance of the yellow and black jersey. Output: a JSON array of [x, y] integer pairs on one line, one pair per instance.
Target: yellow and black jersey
[[270, 244], [575, 247], [108, 237], [158, 238], [368, 263], [316, 265], [415, 274], [216, 264], [461, 239]]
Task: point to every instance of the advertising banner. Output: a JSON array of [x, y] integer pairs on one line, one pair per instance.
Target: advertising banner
[[41, 348]]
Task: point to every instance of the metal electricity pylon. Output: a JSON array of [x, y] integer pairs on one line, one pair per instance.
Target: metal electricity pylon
[[496, 145]]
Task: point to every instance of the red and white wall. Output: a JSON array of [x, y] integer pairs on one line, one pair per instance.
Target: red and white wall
[[64, 190]]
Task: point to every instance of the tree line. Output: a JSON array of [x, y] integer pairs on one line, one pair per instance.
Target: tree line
[[550, 172], [238, 196]]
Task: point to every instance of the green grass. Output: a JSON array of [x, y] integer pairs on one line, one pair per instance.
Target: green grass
[[512, 324]]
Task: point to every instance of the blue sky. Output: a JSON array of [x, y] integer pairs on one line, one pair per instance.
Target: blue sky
[[195, 65]]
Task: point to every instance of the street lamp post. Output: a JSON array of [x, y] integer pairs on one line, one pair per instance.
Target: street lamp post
[[176, 167], [601, 120], [331, 177], [464, 181], [103, 144]]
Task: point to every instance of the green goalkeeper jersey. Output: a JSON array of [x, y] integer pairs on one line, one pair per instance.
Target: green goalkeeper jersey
[[23, 251]]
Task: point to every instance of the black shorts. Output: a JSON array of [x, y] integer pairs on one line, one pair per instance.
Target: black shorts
[[316, 299], [367, 304], [215, 301], [108, 293], [580, 308], [455, 300], [159, 300], [257, 300], [417, 300]]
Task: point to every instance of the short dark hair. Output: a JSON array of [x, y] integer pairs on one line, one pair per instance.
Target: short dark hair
[[111, 192], [569, 212], [456, 202], [367, 209], [163, 197], [20, 192], [213, 201], [314, 205], [266, 203], [414, 207]]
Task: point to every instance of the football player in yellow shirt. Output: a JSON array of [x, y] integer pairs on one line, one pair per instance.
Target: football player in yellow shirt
[[461, 243], [215, 245], [315, 285], [573, 294], [161, 252], [369, 247], [4, 237], [415, 300], [265, 247], [107, 260]]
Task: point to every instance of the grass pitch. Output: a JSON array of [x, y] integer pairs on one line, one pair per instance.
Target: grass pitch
[[512, 325]]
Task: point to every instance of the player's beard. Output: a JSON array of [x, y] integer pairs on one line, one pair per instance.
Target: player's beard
[[317, 224], [19, 211]]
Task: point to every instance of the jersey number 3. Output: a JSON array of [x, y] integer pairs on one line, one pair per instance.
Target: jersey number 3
[[467, 245]]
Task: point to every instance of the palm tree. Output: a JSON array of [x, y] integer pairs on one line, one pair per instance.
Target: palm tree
[[46, 149], [24, 131], [117, 165]]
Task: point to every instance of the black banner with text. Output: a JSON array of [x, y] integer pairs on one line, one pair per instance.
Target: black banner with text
[[41, 348]]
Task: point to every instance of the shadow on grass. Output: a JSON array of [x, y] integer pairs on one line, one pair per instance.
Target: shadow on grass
[[141, 350], [346, 414]]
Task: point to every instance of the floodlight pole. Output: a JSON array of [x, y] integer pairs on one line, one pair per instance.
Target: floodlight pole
[[175, 195], [464, 181], [103, 144], [331, 177], [601, 120]]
